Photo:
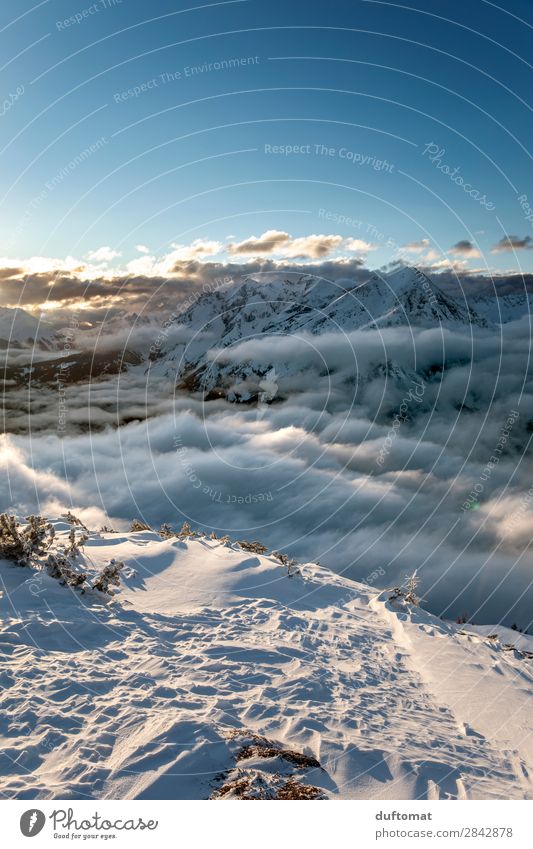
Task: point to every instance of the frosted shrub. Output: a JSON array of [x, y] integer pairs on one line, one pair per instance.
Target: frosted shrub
[[186, 531], [165, 531], [109, 576], [27, 545], [73, 547], [285, 560], [23, 544], [73, 520], [412, 582], [138, 525], [408, 590], [255, 547], [59, 567]]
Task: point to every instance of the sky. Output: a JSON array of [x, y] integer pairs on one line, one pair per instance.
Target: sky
[[150, 149], [147, 140]]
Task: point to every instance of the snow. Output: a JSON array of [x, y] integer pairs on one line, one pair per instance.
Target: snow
[[505, 308], [248, 310], [211, 669], [17, 325]]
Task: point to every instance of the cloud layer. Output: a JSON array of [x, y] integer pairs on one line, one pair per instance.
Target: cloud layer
[[348, 465]]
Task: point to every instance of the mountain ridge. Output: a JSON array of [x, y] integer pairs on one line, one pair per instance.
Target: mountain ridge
[[223, 320]]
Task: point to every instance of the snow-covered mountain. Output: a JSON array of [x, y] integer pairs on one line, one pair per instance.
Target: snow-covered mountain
[[213, 674], [194, 351], [37, 353], [505, 308], [19, 328], [402, 297]]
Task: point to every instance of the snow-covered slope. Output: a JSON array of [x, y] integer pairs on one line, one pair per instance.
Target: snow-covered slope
[[20, 328], [242, 312], [212, 673], [503, 309]]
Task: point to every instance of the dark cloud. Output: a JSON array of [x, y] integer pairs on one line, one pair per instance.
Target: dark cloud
[[153, 294], [133, 292], [513, 243], [10, 272], [416, 247], [313, 246], [102, 299], [464, 248]]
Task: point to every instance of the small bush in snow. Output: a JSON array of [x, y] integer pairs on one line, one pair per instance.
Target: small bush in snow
[[27, 544], [109, 576], [412, 582], [74, 543], [138, 525], [255, 547], [23, 544], [72, 520], [285, 560], [59, 567], [186, 531], [408, 590], [165, 531]]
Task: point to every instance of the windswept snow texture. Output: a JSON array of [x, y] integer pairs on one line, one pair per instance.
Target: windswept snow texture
[[212, 674]]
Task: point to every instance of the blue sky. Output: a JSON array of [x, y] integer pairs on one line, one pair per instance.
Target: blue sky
[[307, 118]]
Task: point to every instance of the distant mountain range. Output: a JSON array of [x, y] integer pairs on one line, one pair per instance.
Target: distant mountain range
[[250, 310], [194, 349], [505, 308], [19, 329]]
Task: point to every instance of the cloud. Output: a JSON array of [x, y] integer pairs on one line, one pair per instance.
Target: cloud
[[513, 243], [150, 284], [431, 256], [142, 249], [142, 292], [104, 254], [166, 265], [143, 266], [314, 455], [464, 248], [43, 265], [283, 244], [415, 247], [312, 247], [197, 249], [359, 245], [269, 242]]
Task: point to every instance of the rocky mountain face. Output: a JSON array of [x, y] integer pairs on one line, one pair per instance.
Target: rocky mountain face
[[205, 356]]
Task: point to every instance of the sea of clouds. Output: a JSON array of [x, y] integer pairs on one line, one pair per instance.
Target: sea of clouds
[[373, 472]]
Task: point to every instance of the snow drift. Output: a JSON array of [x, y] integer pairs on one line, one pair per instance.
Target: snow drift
[[213, 674]]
